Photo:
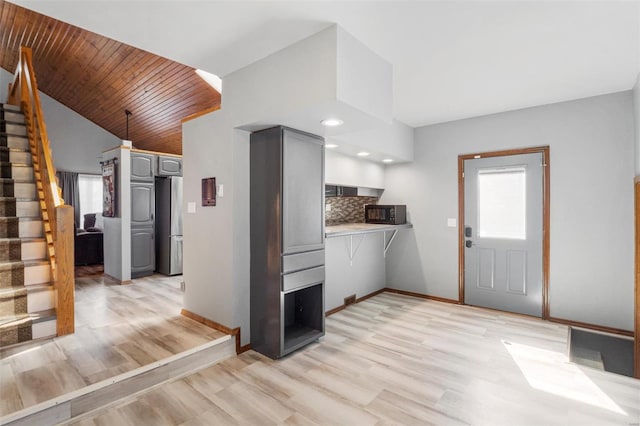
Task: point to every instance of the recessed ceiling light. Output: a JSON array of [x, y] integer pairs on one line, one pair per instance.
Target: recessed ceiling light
[[331, 122], [363, 154], [331, 145], [387, 160]]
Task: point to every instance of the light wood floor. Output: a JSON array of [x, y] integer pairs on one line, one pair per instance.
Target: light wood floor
[[398, 360], [118, 329]]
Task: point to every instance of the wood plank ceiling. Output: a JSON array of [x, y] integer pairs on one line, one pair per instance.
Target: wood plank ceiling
[[99, 78]]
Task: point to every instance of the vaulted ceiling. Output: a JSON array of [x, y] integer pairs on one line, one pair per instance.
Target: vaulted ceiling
[[100, 78]]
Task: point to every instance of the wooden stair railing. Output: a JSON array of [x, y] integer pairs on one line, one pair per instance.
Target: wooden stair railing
[[57, 217]]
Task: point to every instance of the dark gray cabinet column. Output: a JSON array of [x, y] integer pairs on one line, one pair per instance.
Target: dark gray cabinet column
[[287, 240]]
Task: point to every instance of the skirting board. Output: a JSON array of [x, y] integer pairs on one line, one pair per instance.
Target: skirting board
[[217, 326], [595, 327], [455, 302], [114, 279], [100, 394]]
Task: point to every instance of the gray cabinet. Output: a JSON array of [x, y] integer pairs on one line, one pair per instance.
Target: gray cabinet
[[302, 201], [143, 204], [287, 240], [142, 251], [143, 207], [169, 166], [143, 167]]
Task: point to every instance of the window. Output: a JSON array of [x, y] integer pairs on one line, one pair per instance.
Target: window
[[502, 203], [90, 188]]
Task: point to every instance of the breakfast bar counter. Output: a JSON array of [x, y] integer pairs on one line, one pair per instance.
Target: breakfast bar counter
[[361, 228]]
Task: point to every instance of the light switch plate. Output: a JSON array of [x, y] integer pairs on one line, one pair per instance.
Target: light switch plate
[[327, 208], [452, 222], [220, 190], [191, 207]]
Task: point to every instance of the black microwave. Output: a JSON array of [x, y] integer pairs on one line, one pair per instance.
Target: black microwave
[[386, 214]]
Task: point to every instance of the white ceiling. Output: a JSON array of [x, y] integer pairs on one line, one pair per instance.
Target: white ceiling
[[451, 59]]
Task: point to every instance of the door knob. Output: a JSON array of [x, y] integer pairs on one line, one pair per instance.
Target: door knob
[[468, 243]]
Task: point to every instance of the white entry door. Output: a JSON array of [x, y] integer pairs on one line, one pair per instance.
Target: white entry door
[[503, 234]]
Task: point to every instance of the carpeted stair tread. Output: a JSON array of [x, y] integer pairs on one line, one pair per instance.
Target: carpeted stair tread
[[15, 135], [8, 164], [10, 107], [34, 317], [26, 263], [13, 301], [6, 148], [18, 329], [24, 240], [9, 320], [13, 180], [18, 199]]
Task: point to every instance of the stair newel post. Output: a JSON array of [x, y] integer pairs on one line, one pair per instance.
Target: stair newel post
[[64, 274]]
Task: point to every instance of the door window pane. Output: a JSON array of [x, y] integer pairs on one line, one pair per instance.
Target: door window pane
[[502, 203]]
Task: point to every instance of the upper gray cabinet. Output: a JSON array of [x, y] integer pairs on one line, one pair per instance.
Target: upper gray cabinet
[[302, 192], [143, 167], [169, 166]]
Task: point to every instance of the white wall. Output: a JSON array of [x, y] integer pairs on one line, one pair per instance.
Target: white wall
[[76, 143], [592, 168], [636, 117]]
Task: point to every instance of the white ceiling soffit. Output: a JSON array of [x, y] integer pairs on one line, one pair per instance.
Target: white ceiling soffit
[[451, 60]]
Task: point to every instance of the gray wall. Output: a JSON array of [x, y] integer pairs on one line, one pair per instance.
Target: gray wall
[[592, 169], [216, 239], [361, 277], [5, 79], [77, 143]]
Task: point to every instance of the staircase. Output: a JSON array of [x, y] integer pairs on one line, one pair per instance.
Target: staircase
[[27, 298]]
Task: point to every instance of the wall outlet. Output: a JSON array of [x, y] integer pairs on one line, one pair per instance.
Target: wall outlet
[[327, 207], [350, 300], [191, 207], [182, 286]]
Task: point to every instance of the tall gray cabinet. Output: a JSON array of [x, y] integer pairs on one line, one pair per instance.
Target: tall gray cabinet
[[287, 240], [143, 208]]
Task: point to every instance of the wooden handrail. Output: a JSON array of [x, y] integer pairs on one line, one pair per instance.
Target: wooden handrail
[[58, 217]]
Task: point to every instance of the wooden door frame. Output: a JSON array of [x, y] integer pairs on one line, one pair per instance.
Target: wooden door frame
[[636, 310], [544, 150]]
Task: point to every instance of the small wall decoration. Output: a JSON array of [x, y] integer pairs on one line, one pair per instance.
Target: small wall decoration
[[109, 189], [209, 191]]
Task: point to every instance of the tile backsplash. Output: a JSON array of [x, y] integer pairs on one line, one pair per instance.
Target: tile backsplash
[[347, 209]]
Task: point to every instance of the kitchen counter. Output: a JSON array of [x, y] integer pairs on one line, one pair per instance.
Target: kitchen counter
[[361, 228]]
